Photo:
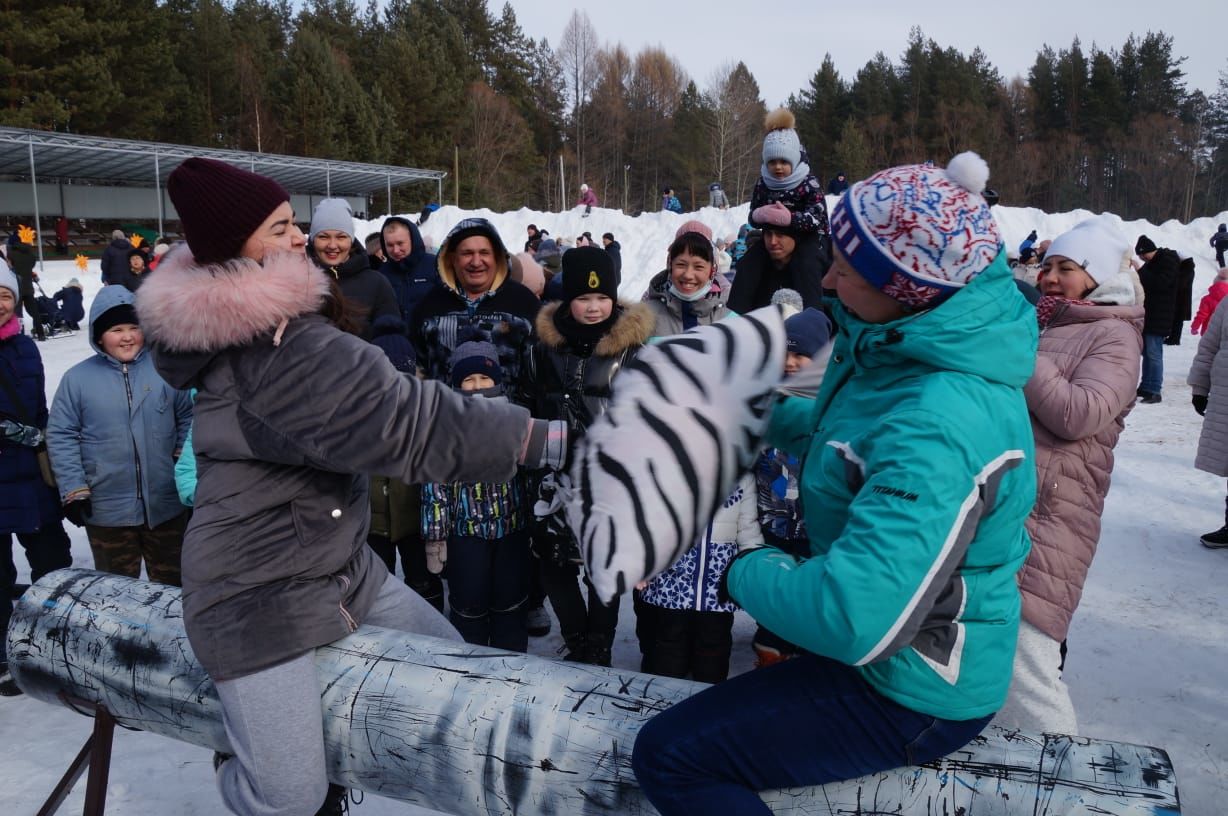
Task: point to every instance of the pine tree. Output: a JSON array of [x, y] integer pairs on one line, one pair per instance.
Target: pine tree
[[821, 108]]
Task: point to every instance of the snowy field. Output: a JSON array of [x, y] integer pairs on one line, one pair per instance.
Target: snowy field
[[1148, 649]]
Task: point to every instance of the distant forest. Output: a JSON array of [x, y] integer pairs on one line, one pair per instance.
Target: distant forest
[[444, 83]]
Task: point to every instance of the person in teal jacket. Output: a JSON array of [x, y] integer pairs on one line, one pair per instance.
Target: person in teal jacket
[[916, 480]]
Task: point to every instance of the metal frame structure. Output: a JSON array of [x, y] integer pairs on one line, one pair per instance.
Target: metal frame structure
[[34, 153]]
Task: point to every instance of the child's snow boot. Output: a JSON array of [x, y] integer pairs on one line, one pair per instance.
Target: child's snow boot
[[537, 621], [335, 803], [574, 649], [598, 649]]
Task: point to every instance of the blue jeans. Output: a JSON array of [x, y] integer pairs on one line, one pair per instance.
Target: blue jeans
[[807, 721], [1153, 363], [488, 587]]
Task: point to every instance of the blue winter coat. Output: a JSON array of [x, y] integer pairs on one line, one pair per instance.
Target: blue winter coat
[[413, 276], [26, 503], [72, 304], [115, 430]]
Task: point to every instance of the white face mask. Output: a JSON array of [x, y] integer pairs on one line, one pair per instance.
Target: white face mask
[[698, 294]]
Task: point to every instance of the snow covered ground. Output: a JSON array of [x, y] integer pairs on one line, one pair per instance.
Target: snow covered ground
[[1148, 649]]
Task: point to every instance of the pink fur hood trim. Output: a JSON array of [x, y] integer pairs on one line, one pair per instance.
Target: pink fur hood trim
[[189, 307]]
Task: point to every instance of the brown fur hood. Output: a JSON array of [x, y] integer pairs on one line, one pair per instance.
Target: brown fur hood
[[633, 328]]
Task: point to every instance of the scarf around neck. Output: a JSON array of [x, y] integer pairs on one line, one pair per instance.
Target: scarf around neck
[[583, 336], [788, 182], [1049, 305]]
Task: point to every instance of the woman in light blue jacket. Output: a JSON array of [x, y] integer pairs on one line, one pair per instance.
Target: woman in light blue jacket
[[114, 433]]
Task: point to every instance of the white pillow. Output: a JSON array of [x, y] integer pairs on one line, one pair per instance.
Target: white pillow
[[685, 421]]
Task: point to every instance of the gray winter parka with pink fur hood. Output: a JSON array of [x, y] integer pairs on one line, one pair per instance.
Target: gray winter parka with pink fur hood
[[1087, 369], [292, 416]]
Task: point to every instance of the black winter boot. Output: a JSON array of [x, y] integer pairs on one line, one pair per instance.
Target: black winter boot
[[575, 649], [598, 649], [8, 686], [335, 803], [1216, 540]]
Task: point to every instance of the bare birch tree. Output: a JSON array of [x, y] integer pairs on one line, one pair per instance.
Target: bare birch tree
[[735, 127], [577, 53]]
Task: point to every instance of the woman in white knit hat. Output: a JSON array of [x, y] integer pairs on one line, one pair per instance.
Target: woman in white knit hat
[[331, 243], [1078, 397]]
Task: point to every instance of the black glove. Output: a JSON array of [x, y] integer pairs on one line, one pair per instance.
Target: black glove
[[1200, 404], [76, 511]]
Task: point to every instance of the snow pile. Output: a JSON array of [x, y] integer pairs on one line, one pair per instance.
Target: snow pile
[[1149, 645]]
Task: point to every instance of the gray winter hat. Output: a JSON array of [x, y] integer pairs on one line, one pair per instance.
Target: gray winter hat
[[9, 281], [332, 214]]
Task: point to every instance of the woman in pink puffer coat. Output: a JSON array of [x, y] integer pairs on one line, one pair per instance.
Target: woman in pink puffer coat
[[1087, 369]]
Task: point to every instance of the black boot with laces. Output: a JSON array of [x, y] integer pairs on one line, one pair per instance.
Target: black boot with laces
[[335, 803]]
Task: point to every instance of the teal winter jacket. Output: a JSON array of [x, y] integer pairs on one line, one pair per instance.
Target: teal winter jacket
[[917, 475]]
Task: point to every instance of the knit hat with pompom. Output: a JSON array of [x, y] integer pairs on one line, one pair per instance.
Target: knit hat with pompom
[[919, 233], [781, 141]]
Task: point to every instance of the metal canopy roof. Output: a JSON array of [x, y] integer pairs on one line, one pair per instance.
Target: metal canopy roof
[[94, 159]]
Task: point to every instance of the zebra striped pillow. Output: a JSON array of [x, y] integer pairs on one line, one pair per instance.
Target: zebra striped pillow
[[686, 419]]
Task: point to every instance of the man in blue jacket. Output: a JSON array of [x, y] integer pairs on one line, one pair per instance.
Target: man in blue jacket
[[409, 267]]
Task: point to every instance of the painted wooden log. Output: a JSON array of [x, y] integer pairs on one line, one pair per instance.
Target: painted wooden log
[[470, 730]]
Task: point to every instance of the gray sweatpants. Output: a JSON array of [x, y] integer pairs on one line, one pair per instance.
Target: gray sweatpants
[[274, 722], [1038, 700]]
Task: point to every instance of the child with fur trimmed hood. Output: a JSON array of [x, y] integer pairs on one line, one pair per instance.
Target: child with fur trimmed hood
[[787, 195], [583, 342]]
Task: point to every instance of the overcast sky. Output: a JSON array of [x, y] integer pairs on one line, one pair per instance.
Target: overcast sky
[[783, 42]]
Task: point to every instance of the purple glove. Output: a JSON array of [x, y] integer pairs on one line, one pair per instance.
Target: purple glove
[[772, 215]]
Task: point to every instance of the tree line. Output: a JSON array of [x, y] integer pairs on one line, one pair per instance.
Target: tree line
[[451, 84]]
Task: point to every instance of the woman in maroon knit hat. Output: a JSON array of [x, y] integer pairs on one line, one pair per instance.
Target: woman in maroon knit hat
[[275, 561]]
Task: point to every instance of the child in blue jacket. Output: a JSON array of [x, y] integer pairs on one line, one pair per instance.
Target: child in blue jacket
[[479, 529]]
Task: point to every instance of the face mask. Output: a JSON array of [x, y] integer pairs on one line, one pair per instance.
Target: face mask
[[698, 294]]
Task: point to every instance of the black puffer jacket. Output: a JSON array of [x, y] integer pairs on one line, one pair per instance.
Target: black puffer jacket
[[445, 318], [363, 285], [114, 260], [756, 278], [291, 414], [1160, 279], [569, 379]]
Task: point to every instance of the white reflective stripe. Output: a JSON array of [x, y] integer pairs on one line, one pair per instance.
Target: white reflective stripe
[[850, 455], [952, 536]]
